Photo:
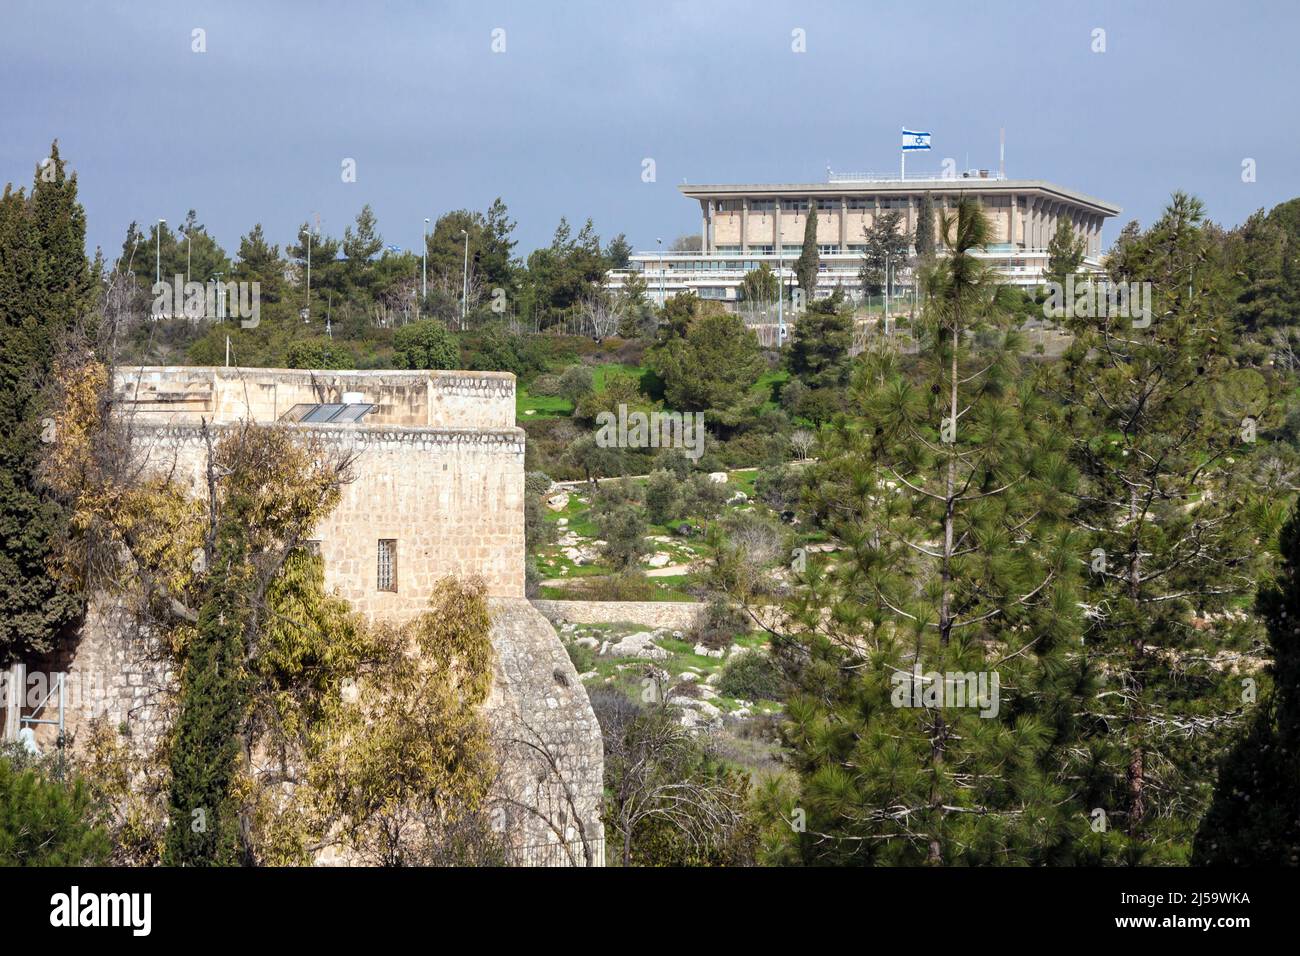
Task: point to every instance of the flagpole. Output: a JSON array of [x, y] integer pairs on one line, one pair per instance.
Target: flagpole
[[902, 165]]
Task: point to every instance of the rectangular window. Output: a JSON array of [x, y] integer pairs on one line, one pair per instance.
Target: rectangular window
[[387, 564], [794, 205], [828, 204], [761, 205], [861, 202]]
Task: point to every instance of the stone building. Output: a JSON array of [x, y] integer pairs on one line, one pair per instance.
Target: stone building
[[438, 491]]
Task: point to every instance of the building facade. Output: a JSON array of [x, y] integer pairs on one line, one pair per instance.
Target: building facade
[[743, 226]]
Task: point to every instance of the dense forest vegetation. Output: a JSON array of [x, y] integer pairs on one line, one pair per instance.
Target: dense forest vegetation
[[1110, 529]]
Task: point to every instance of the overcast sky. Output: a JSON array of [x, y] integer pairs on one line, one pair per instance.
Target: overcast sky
[[257, 128]]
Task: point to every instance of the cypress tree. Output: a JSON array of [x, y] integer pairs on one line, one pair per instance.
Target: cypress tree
[[809, 261], [924, 240], [46, 288]]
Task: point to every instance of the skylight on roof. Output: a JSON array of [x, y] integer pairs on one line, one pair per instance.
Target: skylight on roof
[[327, 413]]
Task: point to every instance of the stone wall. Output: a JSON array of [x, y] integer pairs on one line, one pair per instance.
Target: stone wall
[[451, 499], [439, 470], [553, 754], [675, 615]]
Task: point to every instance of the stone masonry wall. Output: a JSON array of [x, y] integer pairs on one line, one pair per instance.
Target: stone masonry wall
[[452, 500]]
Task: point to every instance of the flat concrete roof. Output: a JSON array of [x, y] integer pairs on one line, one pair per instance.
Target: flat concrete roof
[[936, 186]]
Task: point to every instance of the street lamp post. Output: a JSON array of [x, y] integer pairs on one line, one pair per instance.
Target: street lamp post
[[424, 288], [780, 288], [307, 301], [886, 293], [464, 280], [662, 301], [221, 299], [157, 251]]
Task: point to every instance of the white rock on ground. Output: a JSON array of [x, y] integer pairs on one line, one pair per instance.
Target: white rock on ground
[[640, 644], [558, 501], [718, 477], [707, 652], [701, 713], [659, 559]]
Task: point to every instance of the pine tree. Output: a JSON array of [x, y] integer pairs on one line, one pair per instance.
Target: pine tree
[[46, 289], [885, 251], [947, 495], [1165, 504], [1255, 817], [259, 261], [1064, 253], [809, 261]]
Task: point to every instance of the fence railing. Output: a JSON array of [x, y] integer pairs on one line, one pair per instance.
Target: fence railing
[[558, 854]]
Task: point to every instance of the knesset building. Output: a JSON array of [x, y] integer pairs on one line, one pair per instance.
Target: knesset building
[[744, 225]]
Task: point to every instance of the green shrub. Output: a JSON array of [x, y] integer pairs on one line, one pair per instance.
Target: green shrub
[[623, 529], [704, 498], [426, 344], [779, 488], [662, 495], [537, 483], [575, 382], [752, 676], [583, 657], [719, 625], [630, 585], [545, 386]]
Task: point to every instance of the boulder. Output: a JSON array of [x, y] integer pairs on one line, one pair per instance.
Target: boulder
[[640, 644], [558, 501], [659, 559], [718, 477]]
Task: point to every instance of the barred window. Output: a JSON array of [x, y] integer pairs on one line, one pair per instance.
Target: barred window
[[387, 564]]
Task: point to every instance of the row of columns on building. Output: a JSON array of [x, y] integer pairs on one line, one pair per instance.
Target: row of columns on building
[[1032, 226]]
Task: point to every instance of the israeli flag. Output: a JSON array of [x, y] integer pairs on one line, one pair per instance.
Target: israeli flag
[[915, 140]]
